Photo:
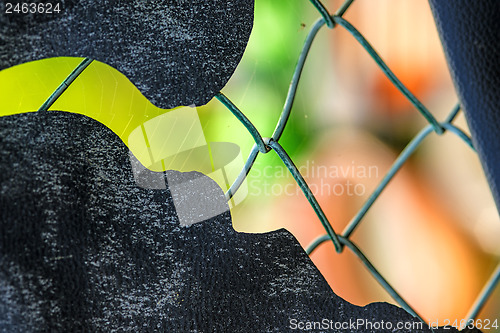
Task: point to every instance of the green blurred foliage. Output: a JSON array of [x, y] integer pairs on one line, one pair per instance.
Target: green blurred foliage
[[260, 84]]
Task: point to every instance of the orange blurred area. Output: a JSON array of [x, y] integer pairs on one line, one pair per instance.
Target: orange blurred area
[[408, 234], [426, 234]]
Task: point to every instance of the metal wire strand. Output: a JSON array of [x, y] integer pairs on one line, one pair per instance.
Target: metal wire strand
[[380, 279], [485, 294], [307, 192], [324, 13], [263, 145], [339, 241], [65, 84], [388, 72], [245, 121], [292, 91], [243, 174]]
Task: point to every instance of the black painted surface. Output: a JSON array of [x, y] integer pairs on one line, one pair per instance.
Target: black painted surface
[[82, 248], [176, 52], [470, 34]]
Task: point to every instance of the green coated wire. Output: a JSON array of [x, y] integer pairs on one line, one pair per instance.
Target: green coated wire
[[245, 121], [324, 13], [485, 294], [394, 294], [453, 114], [292, 91], [396, 166], [327, 18], [380, 279], [263, 145], [390, 75], [461, 134], [243, 174], [283, 117], [344, 7], [307, 192], [316, 243], [65, 84]]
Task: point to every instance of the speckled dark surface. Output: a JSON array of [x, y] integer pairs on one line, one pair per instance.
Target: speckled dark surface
[[176, 52], [473, 51], [82, 248]]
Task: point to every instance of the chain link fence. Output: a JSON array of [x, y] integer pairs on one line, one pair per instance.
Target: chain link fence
[[264, 145], [341, 240]]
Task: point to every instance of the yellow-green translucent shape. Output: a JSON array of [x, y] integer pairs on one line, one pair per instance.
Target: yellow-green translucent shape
[[160, 139]]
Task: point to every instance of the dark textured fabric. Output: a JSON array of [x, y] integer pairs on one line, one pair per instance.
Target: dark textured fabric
[[470, 34], [176, 52], [82, 248]]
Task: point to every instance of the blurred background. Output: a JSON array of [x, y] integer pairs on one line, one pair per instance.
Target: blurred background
[[433, 233]]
